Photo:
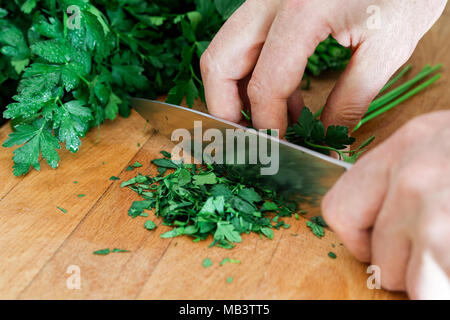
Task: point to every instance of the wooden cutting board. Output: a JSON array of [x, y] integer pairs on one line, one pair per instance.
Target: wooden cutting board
[[42, 248]]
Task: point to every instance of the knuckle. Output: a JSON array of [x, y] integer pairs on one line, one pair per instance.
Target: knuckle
[[352, 112], [256, 90], [294, 4], [434, 233], [416, 179], [415, 128], [408, 183]]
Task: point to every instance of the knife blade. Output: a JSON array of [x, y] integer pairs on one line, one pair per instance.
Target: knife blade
[[303, 176]]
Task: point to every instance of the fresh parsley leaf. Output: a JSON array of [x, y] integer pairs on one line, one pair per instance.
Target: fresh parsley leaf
[[38, 141]]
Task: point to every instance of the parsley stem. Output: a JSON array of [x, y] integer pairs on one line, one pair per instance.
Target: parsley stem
[[396, 78], [84, 80], [60, 102], [318, 146], [391, 95], [398, 101], [318, 113], [195, 76]]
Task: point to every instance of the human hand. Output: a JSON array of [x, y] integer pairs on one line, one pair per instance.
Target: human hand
[[258, 57], [393, 208]]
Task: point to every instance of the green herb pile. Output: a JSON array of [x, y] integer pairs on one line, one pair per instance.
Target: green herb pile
[[208, 200], [64, 72]]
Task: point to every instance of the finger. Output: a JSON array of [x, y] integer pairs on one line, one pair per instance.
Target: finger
[[233, 54], [428, 273], [243, 85], [351, 206], [295, 105], [296, 31], [370, 68], [390, 242], [426, 278]]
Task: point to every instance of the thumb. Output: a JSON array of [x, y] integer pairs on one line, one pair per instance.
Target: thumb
[[370, 68]]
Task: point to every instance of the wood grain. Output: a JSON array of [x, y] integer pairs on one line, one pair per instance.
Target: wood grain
[[38, 243]]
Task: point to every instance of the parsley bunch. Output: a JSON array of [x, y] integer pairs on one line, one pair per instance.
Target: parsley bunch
[[310, 132], [208, 200], [70, 78], [60, 78]]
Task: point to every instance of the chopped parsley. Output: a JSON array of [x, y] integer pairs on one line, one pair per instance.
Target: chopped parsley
[[229, 260], [61, 209], [149, 224], [137, 165], [207, 263], [104, 252], [198, 201], [119, 250], [317, 229]]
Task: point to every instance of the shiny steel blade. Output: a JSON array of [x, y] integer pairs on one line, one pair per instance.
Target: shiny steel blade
[[304, 175]]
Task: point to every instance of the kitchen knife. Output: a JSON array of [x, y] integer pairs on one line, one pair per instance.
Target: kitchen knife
[[304, 176]]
